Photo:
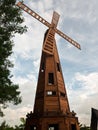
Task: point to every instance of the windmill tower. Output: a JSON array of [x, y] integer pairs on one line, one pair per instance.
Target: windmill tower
[[51, 108]]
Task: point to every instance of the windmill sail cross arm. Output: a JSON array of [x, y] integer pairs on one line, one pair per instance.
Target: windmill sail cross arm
[[70, 40], [53, 24], [33, 14]]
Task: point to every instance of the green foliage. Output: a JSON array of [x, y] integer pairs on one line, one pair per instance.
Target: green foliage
[[84, 127], [5, 126], [10, 24], [22, 125]]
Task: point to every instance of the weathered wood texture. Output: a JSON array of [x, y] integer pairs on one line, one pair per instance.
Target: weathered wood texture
[[51, 108]]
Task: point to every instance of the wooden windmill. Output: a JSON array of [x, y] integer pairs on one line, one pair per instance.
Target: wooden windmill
[[51, 108]]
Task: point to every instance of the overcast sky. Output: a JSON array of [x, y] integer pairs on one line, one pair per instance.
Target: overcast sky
[[79, 20]]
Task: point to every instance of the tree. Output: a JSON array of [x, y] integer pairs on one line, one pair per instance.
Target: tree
[[5, 126], [84, 127], [22, 125], [10, 24]]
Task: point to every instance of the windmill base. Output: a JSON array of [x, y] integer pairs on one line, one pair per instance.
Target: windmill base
[[52, 122]]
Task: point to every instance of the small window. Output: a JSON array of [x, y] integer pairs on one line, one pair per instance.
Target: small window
[[53, 127], [58, 67], [50, 78], [43, 67], [54, 93], [73, 126], [51, 93], [33, 127], [62, 94]]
